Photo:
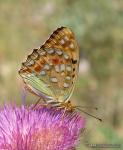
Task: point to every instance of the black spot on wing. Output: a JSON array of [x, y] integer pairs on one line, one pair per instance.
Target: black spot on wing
[[73, 69], [74, 61]]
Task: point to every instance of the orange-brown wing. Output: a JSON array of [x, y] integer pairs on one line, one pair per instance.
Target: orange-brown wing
[[52, 69]]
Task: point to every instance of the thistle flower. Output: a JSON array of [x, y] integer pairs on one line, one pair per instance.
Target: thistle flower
[[22, 128]]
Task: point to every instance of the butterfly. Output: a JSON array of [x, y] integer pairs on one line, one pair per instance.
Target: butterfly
[[50, 71]]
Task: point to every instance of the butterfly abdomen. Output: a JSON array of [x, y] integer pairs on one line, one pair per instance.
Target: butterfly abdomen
[[53, 103]]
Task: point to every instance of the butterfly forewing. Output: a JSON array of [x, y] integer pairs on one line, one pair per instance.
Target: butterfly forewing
[[51, 70]]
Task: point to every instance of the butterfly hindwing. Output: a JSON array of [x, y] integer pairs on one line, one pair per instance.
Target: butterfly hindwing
[[51, 70]]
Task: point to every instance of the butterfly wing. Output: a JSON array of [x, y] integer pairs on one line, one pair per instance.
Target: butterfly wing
[[51, 70]]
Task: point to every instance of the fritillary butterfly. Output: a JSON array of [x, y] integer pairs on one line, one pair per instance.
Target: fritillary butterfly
[[51, 70]]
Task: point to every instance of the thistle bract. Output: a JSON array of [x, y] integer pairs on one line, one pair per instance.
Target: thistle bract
[[22, 128]]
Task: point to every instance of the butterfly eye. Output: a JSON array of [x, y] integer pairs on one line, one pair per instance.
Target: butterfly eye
[[69, 102]]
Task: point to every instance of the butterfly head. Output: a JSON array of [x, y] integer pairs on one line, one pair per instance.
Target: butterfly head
[[68, 106]]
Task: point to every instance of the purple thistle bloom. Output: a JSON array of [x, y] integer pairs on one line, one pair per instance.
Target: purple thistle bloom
[[22, 128]]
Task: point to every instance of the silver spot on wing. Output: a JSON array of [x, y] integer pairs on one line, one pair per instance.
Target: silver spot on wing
[[54, 79], [66, 85]]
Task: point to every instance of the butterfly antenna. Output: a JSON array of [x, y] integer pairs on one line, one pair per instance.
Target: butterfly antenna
[[89, 114], [87, 107]]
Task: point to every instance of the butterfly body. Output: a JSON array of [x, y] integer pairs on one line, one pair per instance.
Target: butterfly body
[[51, 70]]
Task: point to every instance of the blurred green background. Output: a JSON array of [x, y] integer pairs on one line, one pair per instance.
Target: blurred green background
[[98, 26]]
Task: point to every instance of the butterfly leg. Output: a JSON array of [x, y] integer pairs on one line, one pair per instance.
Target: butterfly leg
[[38, 101], [37, 105], [34, 106], [40, 105]]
